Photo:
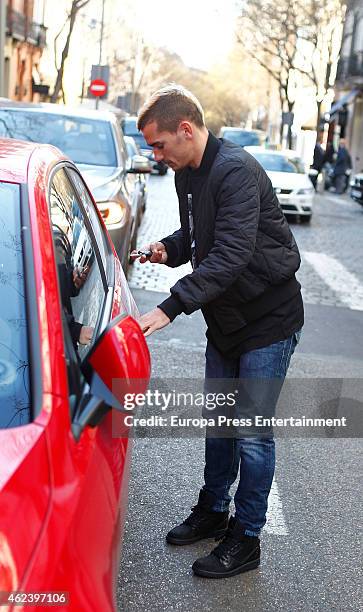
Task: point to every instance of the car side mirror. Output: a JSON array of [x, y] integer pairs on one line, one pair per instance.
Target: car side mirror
[[118, 363], [139, 165]]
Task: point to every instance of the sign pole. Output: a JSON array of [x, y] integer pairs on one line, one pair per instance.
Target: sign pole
[[3, 93], [101, 41]]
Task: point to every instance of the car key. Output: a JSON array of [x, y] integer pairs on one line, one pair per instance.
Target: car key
[[146, 254]]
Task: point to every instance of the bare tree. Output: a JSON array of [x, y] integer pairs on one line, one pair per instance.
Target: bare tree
[[76, 6], [269, 33], [293, 40], [140, 68], [131, 71], [322, 34]]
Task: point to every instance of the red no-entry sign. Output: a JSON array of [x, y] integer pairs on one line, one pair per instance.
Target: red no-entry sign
[[98, 87]]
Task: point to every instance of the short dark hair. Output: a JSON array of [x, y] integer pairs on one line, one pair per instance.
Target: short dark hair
[[169, 106]]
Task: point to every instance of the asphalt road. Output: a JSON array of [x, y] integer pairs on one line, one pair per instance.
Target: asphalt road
[[310, 545]]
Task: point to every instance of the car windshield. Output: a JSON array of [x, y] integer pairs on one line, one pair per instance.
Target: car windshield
[[14, 354], [85, 141], [130, 129], [242, 138], [280, 163]]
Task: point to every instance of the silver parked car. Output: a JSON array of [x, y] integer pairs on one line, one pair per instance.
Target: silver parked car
[[94, 141]]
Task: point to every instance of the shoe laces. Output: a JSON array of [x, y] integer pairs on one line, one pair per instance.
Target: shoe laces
[[224, 547], [195, 517]]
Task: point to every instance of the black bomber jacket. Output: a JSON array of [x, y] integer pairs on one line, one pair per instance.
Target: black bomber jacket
[[246, 254]]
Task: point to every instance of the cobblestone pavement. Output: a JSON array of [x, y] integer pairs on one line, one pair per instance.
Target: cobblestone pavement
[[161, 219], [335, 231]]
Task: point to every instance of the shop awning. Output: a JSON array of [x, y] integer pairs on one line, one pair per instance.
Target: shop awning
[[338, 105]]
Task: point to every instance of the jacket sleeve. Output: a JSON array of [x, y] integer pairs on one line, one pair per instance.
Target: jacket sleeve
[[176, 248], [238, 209]]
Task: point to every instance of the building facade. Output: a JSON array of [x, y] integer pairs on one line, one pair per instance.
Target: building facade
[[24, 44], [346, 114]]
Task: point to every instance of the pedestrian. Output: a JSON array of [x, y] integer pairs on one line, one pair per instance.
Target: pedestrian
[[318, 161], [244, 259], [343, 163]]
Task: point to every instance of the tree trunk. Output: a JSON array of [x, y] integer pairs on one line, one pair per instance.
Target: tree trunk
[[318, 103], [282, 110], [289, 133], [59, 81]]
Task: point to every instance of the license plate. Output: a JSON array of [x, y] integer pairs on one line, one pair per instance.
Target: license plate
[[356, 193]]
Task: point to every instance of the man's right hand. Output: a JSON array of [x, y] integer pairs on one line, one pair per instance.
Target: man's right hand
[[159, 254]]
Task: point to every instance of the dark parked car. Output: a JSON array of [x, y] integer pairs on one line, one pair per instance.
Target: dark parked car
[[242, 137], [356, 188], [94, 141], [129, 128]]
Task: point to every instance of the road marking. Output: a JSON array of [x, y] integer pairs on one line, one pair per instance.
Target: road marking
[[275, 523], [345, 284]]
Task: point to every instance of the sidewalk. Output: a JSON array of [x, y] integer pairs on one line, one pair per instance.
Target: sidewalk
[[337, 199]]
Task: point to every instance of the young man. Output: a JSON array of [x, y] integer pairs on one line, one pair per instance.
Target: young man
[[318, 160], [244, 260]]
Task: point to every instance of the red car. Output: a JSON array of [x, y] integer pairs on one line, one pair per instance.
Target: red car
[[67, 332]]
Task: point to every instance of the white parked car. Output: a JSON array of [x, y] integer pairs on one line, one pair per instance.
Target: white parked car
[[290, 180]]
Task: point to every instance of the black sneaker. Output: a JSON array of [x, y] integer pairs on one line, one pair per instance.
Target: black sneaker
[[235, 554], [201, 523]]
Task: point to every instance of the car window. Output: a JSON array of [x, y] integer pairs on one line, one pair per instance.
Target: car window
[[279, 163], [90, 210], [84, 140], [131, 148], [15, 404], [121, 146], [129, 128], [80, 274]]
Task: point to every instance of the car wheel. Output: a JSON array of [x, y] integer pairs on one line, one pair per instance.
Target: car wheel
[[305, 219]]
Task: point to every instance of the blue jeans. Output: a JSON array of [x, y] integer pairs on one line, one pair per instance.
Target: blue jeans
[[254, 456]]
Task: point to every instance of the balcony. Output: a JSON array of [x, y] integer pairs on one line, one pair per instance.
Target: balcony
[[19, 28], [15, 24], [350, 69], [356, 64], [36, 34]]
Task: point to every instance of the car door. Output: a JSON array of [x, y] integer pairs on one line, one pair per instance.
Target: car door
[[25, 474], [89, 473]]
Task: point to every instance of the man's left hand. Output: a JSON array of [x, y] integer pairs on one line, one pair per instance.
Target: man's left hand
[[153, 320]]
